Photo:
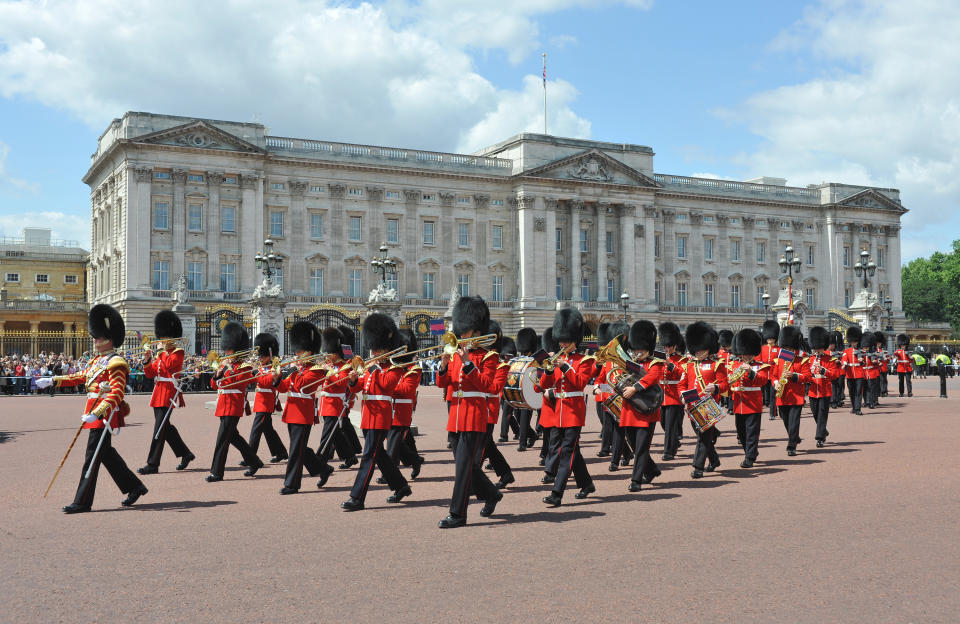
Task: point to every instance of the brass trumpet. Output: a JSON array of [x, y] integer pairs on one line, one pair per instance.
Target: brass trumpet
[[161, 343], [449, 343]]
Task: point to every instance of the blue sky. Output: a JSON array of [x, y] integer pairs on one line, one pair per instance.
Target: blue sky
[[828, 90]]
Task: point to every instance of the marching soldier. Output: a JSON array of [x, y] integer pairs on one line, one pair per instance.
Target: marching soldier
[[883, 361], [564, 384], [527, 343], [672, 410], [904, 365], [106, 380], [871, 369], [639, 426], [508, 415], [165, 371], [852, 363], [470, 373], [266, 399], [335, 396], [601, 392], [835, 350], [231, 383], [400, 443], [789, 379], [770, 334], [824, 370], [379, 384], [497, 460], [747, 377], [705, 375], [723, 355], [547, 419]]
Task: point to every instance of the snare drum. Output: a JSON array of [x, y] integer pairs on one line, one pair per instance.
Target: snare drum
[[614, 405], [705, 412], [519, 391]]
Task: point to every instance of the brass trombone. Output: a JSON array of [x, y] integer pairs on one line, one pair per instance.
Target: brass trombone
[[161, 343], [449, 343]]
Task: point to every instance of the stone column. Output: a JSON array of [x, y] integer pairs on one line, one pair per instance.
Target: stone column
[[139, 228], [268, 317], [893, 267], [834, 274], [413, 244], [250, 229], [628, 249], [576, 209], [294, 277], [212, 227], [649, 264], [481, 210], [448, 237], [526, 236], [178, 223], [338, 235], [602, 250], [548, 290]]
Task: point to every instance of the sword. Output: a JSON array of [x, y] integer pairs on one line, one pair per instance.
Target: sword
[[333, 432], [167, 415], [96, 453]]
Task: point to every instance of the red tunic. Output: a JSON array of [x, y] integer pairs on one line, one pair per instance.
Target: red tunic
[[601, 386], [821, 384], [105, 378], [164, 370], [794, 392], [769, 353], [671, 380], [232, 389], [871, 366], [747, 393], [571, 405], [471, 382], [376, 406], [265, 397], [493, 398], [334, 391], [698, 374], [629, 415], [904, 365], [405, 396], [852, 363], [301, 407]]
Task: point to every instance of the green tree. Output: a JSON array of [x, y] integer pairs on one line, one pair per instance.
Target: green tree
[[931, 287]]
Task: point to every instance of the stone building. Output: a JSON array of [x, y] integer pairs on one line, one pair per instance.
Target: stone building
[[530, 224]]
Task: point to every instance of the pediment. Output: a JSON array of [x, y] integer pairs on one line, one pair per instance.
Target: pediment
[[199, 135], [317, 258], [429, 262], [354, 260], [873, 200], [735, 277], [498, 267], [592, 166], [464, 265]]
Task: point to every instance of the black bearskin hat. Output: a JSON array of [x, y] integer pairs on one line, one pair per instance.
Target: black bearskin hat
[[881, 339], [771, 330], [304, 336], [819, 337], [105, 322], [869, 341], [643, 336], [548, 343], [903, 340], [746, 342], [494, 328], [234, 337], [266, 345], [332, 339], [470, 313], [854, 334], [836, 339], [527, 341], [670, 334], [508, 350], [603, 334], [789, 338], [700, 336], [725, 337], [407, 339], [568, 326], [380, 331], [166, 324]]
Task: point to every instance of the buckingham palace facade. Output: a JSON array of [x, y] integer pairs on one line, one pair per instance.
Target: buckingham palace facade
[[530, 224]]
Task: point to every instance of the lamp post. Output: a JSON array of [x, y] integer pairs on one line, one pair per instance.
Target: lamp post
[[766, 305], [268, 262], [865, 268], [888, 306], [624, 303], [382, 264], [789, 263]]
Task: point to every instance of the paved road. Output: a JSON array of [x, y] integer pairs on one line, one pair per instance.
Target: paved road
[[862, 530]]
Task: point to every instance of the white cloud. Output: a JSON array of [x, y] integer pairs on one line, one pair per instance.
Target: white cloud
[[885, 112], [707, 176], [64, 226], [401, 74], [6, 178]]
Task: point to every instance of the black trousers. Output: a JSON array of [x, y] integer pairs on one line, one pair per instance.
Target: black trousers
[[837, 387], [302, 456], [908, 378], [643, 464], [942, 372], [468, 476], [500, 465], [569, 459], [336, 427], [706, 448], [872, 391], [545, 447], [375, 455], [168, 434], [607, 425], [748, 430], [263, 426], [671, 419], [820, 408], [226, 436], [884, 388], [508, 420], [111, 460], [350, 433], [622, 447], [855, 389], [524, 416], [401, 448], [790, 415]]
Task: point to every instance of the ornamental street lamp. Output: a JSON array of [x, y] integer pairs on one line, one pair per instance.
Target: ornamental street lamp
[[382, 264], [888, 306], [766, 305], [268, 262], [789, 262], [865, 268], [624, 303]]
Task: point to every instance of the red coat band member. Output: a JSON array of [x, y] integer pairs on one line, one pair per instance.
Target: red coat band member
[[527, 343], [105, 379], [789, 377], [601, 392], [565, 384], [746, 391], [671, 412], [379, 384], [852, 363], [400, 443], [707, 376], [904, 364], [547, 418], [639, 426], [491, 452], [770, 332], [338, 433], [266, 399], [824, 369], [871, 369], [231, 382], [165, 372], [468, 375]]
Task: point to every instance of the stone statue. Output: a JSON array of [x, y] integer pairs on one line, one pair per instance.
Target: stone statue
[[181, 295], [267, 289], [382, 293], [589, 168]]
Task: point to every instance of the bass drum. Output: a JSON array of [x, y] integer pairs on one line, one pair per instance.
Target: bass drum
[[519, 391]]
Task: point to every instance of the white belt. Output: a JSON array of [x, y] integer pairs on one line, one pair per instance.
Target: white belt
[[903, 361], [403, 400], [567, 395], [170, 379], [747, 389], [299, 395], [377, 397], [819, 376], [492, 396], [605, 388], [460, 394], [222, 391], [853, 364], [93, 395], [342, 397], [267, 390], [670, 382]]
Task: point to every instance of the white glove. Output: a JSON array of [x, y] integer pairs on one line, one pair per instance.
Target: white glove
[[89, 418], [44, 382], [104, 386]]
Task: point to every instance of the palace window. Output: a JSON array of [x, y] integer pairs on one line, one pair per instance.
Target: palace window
[[229, 179], [195, 177], [428, 282], [392, 194], [584, 241], [682, 216], [194, 276], [356, 230], [846, 255], [585, 289], [428, 227], [316, 282], [429, 197], [656, 245], [708, 295], [393, 231], [228, 219], [69, 279], [496, 202], [393, 281], [161, 175], [559, 289], [609, 235], [195, 218], [276, 223], [681, 246], [356, 192], [656, 292], [497, 294], [811, 298], [316, 225], [811, 256], [463, 200], [463, 234], [681, 293], [498, 237], [558, 237], [160, 275], [315, 188], [277, 186], [735, 250], [708, 249], [761, 252], [463, 285], [611, 290], [847, 296], [13, 277], [735, 295], [708, 219], [760, 292], [42, 278], [356, 283], [880, 256], [161, 216], [228, 277]]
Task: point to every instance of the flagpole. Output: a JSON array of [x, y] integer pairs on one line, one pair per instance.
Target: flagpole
[[544, 92]]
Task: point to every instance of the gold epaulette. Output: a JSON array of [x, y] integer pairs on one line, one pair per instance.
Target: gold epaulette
[[117, 362], [415, 370], [489, 354], [502, 364], [588, 357], [178, 349]]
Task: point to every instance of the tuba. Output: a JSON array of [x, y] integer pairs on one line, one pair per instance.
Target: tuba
[[625, 372]]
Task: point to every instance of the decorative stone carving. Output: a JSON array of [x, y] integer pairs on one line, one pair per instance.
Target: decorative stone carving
[[526, 200], [798, 226], [629, 210], [215, 178], [412, 196], [668, 214], [577, 206], [251, 180], [893, 230], [179, 176], [481, 201], [375, 193], [144, 174], [650, 211], [773, 222], [514, 202], [382, 293], [723, 219], [696, 218], [589, 168], [297, 187], [638, 230], [337, 191], [197, 139], [267, 288], [748, 221], [446, 199], [180, 294], [540, 224], [550, 203]]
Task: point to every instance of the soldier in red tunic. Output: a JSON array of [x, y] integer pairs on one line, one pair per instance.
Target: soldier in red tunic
[[707, 376], [497, 460], [231, 383], [266, 399], [904, 365], [470, 373], [601, 392], [527, 343], [379, 383], [871, 369], [165, 372], [400, 443], [852, 363], [791, 376], [671, 411], [639, 426], [621, 445], [335, 396], [725, 337], [768, 353], [824, 370], [835, 350], [746, 392], [547, 418], [105, 379], [564, 384]]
